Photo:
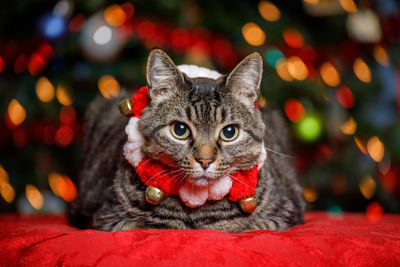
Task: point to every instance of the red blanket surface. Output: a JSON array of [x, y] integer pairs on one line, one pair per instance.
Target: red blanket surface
[[350, 240]]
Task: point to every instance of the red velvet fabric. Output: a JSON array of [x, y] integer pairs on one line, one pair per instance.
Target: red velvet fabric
[[350, 240]]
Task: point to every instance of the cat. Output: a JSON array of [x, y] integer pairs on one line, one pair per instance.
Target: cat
[[208, 127]]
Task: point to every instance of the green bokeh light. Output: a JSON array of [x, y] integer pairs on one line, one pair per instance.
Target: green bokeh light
[[272, 56], [310, 128]]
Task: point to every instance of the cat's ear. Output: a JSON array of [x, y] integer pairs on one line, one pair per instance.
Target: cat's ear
[[163, 77], [244, 81]]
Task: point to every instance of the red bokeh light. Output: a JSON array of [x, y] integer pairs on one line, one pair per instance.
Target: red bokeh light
[[345, 97], [129, 9], [77, 22], [36, 64], [293, 38], [19, 137], [294, 110], [67, 115], [2, 64], [20, 63], [46, 51], [374, 212], [64, 136]]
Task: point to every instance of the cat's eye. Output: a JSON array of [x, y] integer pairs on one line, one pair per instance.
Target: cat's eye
[[229, 133], [180, 130]]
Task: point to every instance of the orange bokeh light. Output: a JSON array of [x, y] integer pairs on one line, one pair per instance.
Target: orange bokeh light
[[349, 127], [253, 34], [375, 149], [16, 112], [296, 68], [381, 55], [115, 16], [329, 74], [362, 70], [268, 11], [108, 86]]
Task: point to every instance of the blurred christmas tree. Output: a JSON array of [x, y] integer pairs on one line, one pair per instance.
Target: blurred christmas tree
[[332, 67]]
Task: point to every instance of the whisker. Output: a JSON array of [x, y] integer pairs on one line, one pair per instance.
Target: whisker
[[279, 153], [168, 173], [237, 179]]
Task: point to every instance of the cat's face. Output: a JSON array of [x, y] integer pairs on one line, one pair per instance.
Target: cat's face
[[207, 128]]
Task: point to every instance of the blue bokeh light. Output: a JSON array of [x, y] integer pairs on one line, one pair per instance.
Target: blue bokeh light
[[52, 27]]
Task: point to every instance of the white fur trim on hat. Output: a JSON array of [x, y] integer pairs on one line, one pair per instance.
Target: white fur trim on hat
[[193, 71]]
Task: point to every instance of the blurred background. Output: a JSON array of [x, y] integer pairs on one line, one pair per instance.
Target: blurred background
[[331, 67]]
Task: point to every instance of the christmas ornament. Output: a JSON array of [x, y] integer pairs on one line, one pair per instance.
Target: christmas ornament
[[125, 107], [160, 179]]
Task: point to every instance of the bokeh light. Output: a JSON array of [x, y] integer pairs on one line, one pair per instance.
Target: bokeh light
[[367, 187], [2, 64], [253, 34], [53, 26], [77, 23], [114, 15], [345, 97], [282, 70], [62, 186], [67, 115], [36, 64], [374, 212], [108, 86], [296, 68], [381, 55], [294, 110], [102, 35], [349, 127], [293, 38], [310, 128], [362, 70], [16, 112], [6, 190], [64, 136], [329, 74], [20, 64], [44, 90], [310, 194], [348, 5], [360, 144], [312, 2], [375, 148], [34, 196], [64, 95], [273, 56], [268, 11]]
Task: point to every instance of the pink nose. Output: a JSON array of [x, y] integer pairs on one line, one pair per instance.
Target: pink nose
[[204, 162]]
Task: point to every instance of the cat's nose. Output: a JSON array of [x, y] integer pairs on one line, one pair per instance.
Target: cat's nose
[[204, 162]]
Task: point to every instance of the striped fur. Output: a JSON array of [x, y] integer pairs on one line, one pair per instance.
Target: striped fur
[[111, 195]]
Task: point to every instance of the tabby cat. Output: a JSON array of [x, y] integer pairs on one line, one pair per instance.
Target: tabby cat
[[207, 127]]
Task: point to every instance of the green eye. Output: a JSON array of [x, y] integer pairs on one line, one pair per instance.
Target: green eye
[[180, 130], [229, 133]]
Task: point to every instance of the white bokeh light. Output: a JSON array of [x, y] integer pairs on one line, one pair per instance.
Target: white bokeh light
[[102, 35]]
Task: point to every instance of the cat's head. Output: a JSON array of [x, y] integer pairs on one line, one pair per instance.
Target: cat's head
[[206, 127]]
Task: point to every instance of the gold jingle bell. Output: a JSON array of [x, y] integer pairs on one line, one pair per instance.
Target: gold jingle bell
[[125, 107], [154, 195], [248, 204]]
